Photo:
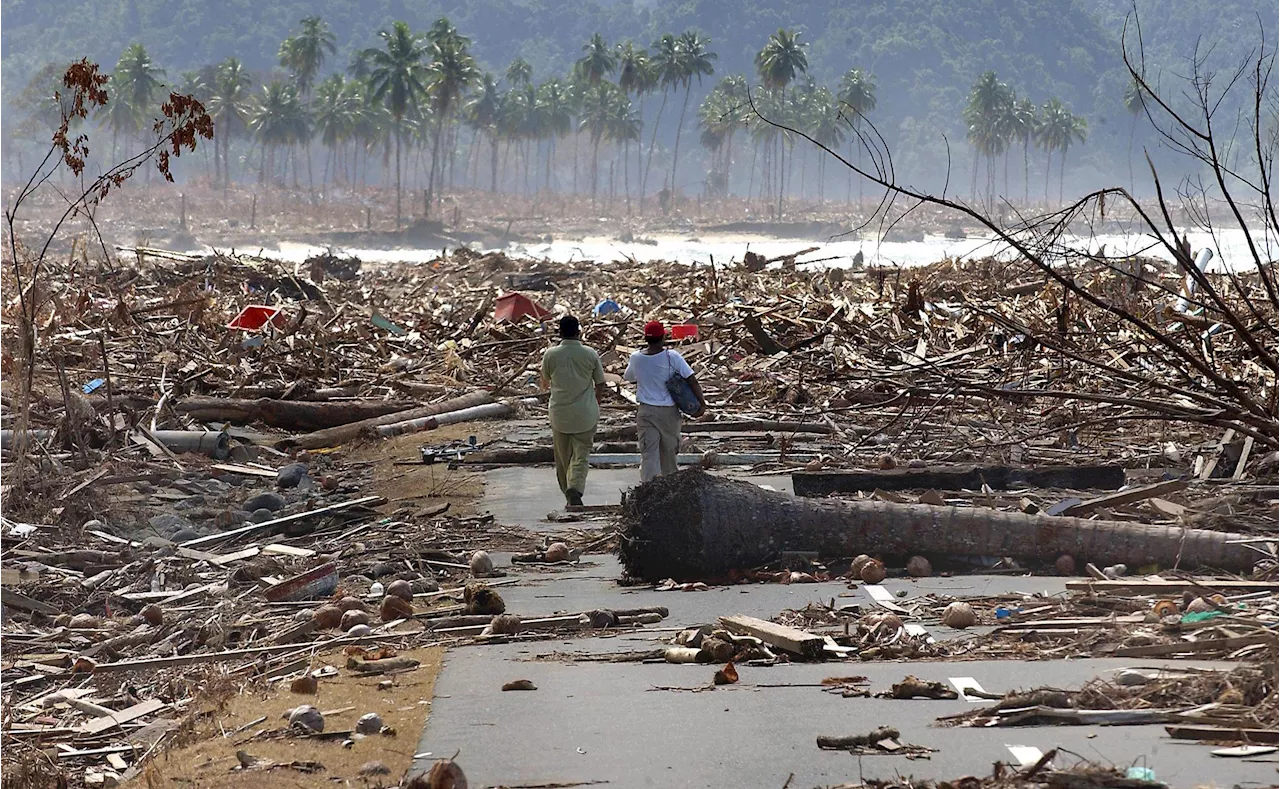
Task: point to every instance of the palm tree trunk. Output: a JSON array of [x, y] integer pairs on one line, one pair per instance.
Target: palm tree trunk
[[595, 164], [1062, 166], [653, 139], [399, 137], [435, 155], [675, 152], [493, 162], [551, 154], [973, 187], [626, 173], [1026, 170], [1048, 170]]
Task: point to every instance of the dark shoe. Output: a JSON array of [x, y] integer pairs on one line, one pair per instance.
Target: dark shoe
[[574, 497]]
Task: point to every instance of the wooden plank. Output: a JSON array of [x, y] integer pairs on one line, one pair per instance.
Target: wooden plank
[[248, 471], [1130, 496], [12, 599], [1196, 647], [1222, 734], [1244, 458], [117, 761], [822, 483], [280, 549], [245, 553], [252, 527], [1211, 461], [10, 576], [99, 725], [1170, 586], [783, 637]]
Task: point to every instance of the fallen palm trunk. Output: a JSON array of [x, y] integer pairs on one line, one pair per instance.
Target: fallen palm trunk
[[694, 525], [486, 411], [213, 443], [822, 483], [287, 414], [342, 433]]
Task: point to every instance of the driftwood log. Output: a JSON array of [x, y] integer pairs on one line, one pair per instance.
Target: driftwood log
[[822, 483], [346, 432], [287, 414], [694, 525]]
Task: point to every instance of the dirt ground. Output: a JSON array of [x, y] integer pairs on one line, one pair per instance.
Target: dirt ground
[[211, 762]]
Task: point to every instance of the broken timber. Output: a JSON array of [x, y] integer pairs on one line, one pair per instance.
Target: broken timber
[[342, 433], [789, 639], [693, 525], [823, 483]]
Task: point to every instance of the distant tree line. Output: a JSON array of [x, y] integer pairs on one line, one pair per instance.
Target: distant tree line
[[417, 111]]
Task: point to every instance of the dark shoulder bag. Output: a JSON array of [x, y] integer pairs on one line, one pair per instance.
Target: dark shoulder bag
[[680, 390]]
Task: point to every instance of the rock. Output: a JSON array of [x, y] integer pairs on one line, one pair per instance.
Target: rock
[[481, 564], [393, 607], [370, 769], [557, 552], [352, 618], [156, 542], [265, 500], [402, 589], [520, 684], [306, 717], [289, 476], [183, 535], [261, 515], [422, 585], [369, 723], [229, 519], [872, 572], [959, 615], [166, 523]]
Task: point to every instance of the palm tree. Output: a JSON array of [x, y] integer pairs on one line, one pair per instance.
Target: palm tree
[[721, 114], [695, 61], [1135, 104], [1059, 128], [279, 119], [336, 110], [635, 77], [135, 83], [303, 54], [598, 60], [857, 93], [228, 105], [988, 101], [1023, 122], [780, 60], [482, 112], [825, 126], [396, 76], [606, 114], [554, 109], [666, 70], [450, 74], [519, 72]]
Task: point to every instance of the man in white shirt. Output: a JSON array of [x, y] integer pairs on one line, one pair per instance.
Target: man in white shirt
[[658, 417]]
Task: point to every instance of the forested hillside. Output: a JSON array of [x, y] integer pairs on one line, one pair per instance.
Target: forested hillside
[[924, 57]]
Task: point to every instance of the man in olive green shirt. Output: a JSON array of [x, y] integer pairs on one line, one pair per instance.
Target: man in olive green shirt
[[573, 373]]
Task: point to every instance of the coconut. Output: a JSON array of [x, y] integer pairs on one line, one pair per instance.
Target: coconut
[[446, 774], [306, 685], [709, 459], [1066, 564], [1164, 608], [352, 618], [959, 615], [480, 599], [919, 567], [308, 717], [304, 615], [886, 462], [328, 616], [557, 552], [153, 614], [481, 564], [359, 631], [401, 588], [84, 622], [716, 650], [505, 624], [858, 563], [393, 607], [885, 622], [350, 603], [1200, 606], [872, 572]]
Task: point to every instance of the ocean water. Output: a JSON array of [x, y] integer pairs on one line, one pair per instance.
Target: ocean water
[[1230, 249]]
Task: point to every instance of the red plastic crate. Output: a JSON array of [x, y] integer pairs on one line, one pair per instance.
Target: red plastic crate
[[684, 331], [255, 316]]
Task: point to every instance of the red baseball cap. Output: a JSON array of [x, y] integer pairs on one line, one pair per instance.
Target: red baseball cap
[[655, 329]]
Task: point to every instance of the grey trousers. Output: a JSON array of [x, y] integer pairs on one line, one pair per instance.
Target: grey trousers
[[659, 428]]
